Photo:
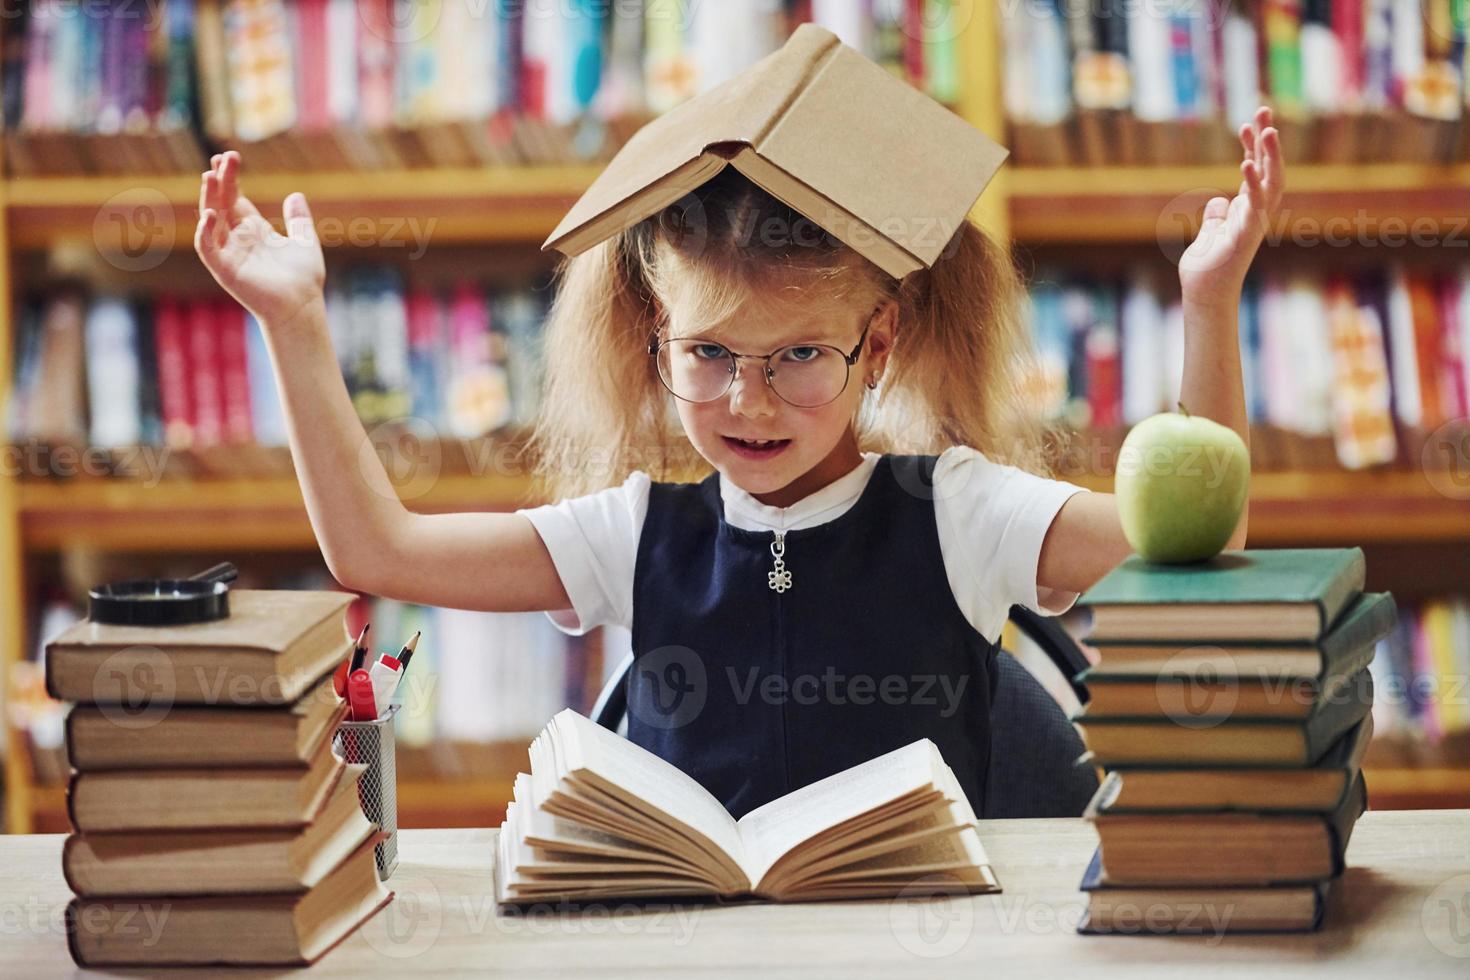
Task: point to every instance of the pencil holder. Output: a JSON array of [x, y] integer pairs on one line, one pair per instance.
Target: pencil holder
[[371, 742]]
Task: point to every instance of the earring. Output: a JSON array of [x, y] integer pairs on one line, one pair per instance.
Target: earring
[[872, 381]]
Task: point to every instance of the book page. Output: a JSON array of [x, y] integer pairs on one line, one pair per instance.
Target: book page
[[892, 837], [614, 760], [578, 800], [526, 872], [571, 838], [875, 823], [589, 807], [770, 831], [955, 793], [944, 852], [954, 861], [539, 864]]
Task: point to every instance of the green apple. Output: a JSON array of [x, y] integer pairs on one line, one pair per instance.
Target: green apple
[[1181, 484]]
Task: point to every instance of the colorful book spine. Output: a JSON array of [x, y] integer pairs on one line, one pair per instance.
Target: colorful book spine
[[941, 33], [267, 417], [262, 82], [1362, 402], [582, 44], [1283, 19], [112, 373], [377, 64], [234, 369], [176, 394], [311, 41], [201, 344], [1182, 28]]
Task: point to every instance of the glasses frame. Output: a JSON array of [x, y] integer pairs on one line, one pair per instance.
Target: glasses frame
[[655, 345]]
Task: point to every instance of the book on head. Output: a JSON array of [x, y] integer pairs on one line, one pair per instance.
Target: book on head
[[886, 169]]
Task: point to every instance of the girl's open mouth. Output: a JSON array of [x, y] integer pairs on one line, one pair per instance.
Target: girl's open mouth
[[756, 449]]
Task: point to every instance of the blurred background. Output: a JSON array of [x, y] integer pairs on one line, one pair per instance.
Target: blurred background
[[440, 142]]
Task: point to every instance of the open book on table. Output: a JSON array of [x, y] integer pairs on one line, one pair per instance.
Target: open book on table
[[600, 817]]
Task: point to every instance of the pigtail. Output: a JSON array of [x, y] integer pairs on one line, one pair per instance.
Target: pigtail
[[961, 360]]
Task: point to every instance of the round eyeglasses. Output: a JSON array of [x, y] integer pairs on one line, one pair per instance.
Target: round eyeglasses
[[803, 375]]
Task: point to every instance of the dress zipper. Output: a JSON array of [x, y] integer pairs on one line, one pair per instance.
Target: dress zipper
[[779, 578]]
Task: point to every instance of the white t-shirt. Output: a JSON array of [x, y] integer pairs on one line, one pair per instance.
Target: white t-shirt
[[991, 520]]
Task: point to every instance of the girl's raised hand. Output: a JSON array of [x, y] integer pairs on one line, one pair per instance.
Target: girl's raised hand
[[1215, 264], [274, 276]]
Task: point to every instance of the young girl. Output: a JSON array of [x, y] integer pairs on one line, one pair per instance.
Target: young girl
[[820, 598]]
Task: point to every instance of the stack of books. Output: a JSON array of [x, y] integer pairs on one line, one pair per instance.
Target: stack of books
[[1232, 707], [212, 822]]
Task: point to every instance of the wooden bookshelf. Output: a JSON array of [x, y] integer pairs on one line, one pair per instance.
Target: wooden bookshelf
[[13, 611], [1322, 202], [506, 204], [1345, 508], [1029, 205], [210, 515], [268, 514], [1050, 205]]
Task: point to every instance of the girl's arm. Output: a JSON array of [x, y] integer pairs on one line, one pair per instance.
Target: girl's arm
[[370, 541], [1086, 539]]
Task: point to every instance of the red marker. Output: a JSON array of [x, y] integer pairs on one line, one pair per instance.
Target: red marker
[[360, 696], [339, 679]]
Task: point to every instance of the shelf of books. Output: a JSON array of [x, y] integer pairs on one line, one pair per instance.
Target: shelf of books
[[143, 434]]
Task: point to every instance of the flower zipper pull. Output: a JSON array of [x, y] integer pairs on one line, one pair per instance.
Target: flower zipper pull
[[779, 578]]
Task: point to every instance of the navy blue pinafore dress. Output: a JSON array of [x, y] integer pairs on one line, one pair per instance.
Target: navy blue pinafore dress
[[757, 678]]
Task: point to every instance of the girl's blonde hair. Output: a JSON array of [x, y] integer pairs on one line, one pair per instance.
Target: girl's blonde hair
[[957, 375]]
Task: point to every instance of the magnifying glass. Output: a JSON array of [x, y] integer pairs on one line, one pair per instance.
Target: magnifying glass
[[164, 601]]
